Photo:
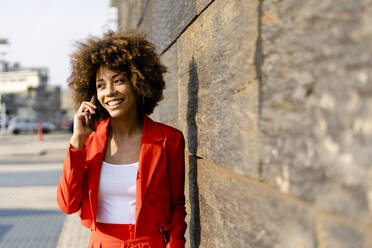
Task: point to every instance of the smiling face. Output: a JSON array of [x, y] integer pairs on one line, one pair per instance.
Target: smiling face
[[115, 93]]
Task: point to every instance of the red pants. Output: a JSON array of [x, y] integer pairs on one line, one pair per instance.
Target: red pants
[[122, 236]]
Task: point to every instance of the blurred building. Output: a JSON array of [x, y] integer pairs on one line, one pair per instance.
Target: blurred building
[[14, 79], [26, 92], [66, 102]]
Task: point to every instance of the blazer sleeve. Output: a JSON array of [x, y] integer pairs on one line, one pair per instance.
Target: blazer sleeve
[[177, 185], [70, 187]]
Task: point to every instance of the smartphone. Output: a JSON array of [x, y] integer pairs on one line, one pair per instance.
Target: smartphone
[[91, 122], [92, 117]]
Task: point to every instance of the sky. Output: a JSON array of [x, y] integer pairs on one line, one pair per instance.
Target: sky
[[43, 33]]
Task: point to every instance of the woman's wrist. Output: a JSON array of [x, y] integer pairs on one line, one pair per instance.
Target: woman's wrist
[[77, 142]]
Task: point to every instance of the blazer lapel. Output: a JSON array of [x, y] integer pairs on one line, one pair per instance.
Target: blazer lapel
[[150, 153]]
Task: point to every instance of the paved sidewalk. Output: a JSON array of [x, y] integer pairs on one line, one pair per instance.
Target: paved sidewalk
[[29, 174]]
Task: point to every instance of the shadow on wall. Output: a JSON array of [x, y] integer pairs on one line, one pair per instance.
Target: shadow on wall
[[192, 138]]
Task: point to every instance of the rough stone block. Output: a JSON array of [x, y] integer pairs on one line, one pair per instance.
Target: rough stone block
[[316, 108], [218, 96], [201, 5], [236, 211], [337, 233], [169, 106], [131, 13], [165, 20]]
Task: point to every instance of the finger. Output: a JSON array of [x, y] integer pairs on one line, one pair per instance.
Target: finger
[[81, 107], [90, 104], [80, 115], [93, 99], [86, 117], [84, 104], [89, 109]]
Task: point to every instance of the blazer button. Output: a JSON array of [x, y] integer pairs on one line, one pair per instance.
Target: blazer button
[[157, 223], [152, 202]]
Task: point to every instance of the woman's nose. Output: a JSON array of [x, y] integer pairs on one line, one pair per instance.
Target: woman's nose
[[110, 89]]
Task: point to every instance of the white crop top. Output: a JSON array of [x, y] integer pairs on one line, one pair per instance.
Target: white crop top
[[117, 193]]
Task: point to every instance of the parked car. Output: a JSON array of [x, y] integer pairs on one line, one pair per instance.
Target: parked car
[[26, 124]]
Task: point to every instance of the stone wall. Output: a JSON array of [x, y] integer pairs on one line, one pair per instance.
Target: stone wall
[[275, 101]]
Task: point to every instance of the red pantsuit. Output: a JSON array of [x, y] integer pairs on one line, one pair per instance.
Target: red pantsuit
[[160, 199]]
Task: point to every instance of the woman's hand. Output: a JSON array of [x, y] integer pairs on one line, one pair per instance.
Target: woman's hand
[[81, 124]]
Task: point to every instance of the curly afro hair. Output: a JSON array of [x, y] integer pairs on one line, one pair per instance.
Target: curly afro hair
[[128, 53]]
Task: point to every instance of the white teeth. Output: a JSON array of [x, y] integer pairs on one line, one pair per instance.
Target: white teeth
[[114, 102]]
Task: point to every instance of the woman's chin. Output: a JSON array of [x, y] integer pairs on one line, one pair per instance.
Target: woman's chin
[[119, 114]]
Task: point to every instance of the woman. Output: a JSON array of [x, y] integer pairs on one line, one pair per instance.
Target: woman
[[123, 172]]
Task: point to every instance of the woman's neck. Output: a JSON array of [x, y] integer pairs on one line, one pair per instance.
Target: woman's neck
[[126, 127]]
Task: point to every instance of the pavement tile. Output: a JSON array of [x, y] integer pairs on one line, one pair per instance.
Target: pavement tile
[[73, 233], [30, 228], [29, 214], [39, 197]]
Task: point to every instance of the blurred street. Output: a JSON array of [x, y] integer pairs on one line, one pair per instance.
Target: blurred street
[[29, 174]]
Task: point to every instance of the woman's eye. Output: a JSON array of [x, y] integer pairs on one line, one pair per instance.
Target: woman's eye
[[119, 81], [99, 86]]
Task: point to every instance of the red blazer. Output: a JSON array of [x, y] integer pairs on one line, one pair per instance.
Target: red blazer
[[160, 195]]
